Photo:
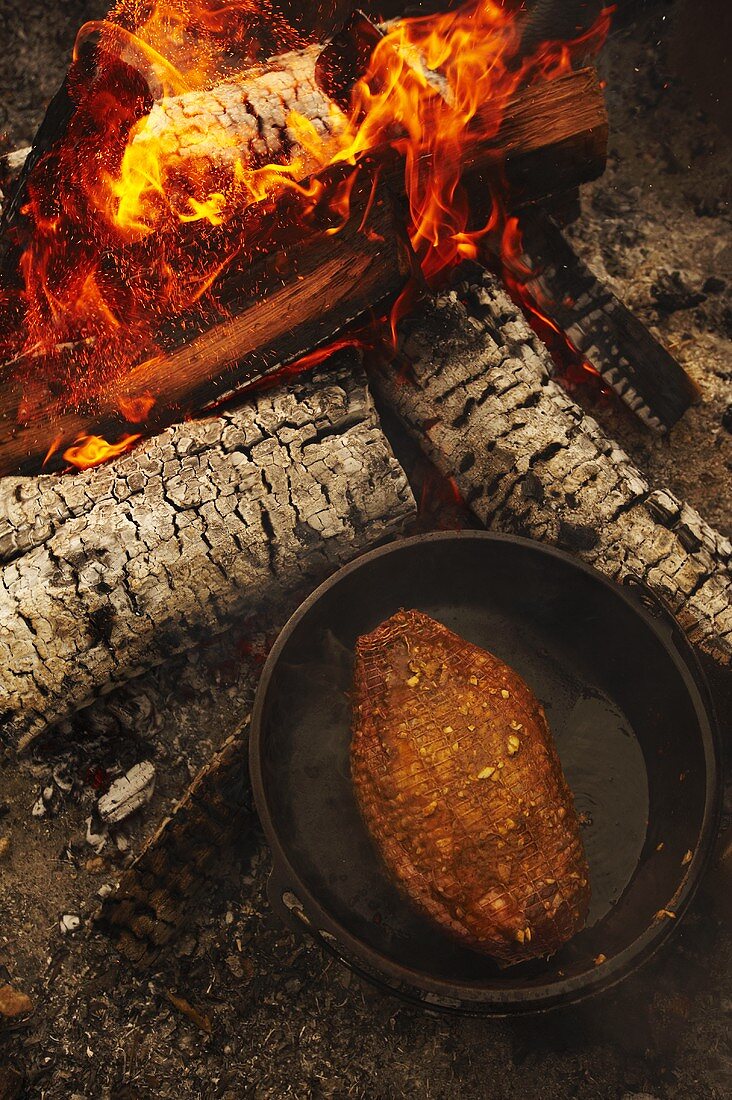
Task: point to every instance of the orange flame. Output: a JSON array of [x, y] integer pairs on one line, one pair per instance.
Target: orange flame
[[132, 223], [92, 450]]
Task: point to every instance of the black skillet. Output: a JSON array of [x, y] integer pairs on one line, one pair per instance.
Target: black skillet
[[630, 712]]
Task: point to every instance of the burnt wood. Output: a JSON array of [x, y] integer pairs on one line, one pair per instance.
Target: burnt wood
[[197, 847], [527, 460], [110, 572], [631, 361], [553, 136]]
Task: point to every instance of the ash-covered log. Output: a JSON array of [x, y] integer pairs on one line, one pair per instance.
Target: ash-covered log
[[528, 460], [109, 572]]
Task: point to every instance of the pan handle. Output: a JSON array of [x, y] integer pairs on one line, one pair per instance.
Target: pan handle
[[290, 910], [288, 907], [652, 602]]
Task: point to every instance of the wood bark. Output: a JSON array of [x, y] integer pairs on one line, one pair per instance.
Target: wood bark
[[109, 572], [552, 137], [528, 460]]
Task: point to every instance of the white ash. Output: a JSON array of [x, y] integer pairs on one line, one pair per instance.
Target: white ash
[[95, 836], [62, 779], [128, 794]]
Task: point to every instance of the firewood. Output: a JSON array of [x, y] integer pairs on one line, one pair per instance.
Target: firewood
[[642, 372], [11, 166], [243, 118], [111, 571], [553, 136], [301, 299], [528, 460]]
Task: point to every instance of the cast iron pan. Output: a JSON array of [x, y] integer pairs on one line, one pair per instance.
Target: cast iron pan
[[633, 722]]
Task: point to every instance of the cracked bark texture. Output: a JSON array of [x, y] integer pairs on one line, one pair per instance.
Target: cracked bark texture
[[107, 573], [528, 460], [245, 118]]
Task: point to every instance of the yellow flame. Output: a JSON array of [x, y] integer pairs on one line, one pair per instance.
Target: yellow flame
[[427, 81], [93, 450]]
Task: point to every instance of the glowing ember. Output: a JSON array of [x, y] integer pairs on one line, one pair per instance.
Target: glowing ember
[[136, 409], [168, 178], [521, 282]]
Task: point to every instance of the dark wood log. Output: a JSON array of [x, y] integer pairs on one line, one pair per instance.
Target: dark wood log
[[553, 136], [527, 459], [111, 571], [604, 332]]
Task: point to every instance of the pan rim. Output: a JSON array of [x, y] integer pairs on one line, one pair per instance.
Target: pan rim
[[481, 997]]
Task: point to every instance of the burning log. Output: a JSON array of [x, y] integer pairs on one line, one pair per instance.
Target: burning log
[[528, 460], [110, 572], [638, 368], [552, 136], [243, 118], [323, 287]]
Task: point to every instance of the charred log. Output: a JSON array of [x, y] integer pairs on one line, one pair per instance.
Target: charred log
[[639, 369], [201, 843], [528, 460], [552, 137], [110, 572]]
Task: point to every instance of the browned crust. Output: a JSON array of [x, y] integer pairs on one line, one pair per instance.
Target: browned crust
[[461, 787]]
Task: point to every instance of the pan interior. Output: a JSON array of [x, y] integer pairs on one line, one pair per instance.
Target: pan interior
[[624, 723]]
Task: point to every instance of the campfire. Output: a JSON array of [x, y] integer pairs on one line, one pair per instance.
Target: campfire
[[271, 297], [250, 194]]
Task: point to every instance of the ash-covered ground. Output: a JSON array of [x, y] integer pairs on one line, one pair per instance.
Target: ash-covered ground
[[270, 1016]]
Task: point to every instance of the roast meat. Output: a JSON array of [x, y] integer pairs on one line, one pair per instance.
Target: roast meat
[[460, 785]]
